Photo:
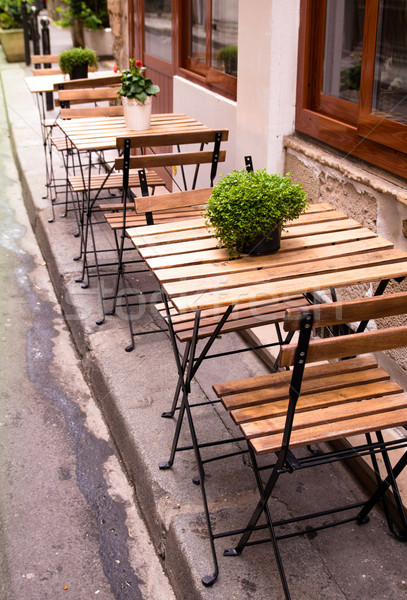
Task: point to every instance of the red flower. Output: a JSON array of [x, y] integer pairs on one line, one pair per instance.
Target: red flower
[[115, 68], [139, 63]]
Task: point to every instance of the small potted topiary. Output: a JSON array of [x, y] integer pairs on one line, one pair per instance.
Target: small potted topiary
[[76, 62], [248, 209], [228, 55]]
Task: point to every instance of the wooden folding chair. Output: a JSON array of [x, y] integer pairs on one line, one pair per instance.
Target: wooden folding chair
[[334, 390], [127, 165]]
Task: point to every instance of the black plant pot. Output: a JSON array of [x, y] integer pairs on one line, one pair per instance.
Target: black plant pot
[[261, 245], [80, 72]]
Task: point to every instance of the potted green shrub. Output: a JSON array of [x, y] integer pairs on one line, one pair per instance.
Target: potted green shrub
[[228, 55], [248, 209], [137, 92], [76, 62], [11, 30]]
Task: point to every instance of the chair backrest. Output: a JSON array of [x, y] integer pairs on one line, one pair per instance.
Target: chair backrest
[[339, 313], [90, 82], [91, 111], [46, 60], [194, 198], [147, 204], [175, 159], [85, 96]]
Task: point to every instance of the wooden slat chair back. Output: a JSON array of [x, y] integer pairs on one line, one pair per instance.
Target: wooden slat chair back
[[89, 82], [325, 398], [161, 208], [136, 172], [84, 96], [176, 159], [46, 60]]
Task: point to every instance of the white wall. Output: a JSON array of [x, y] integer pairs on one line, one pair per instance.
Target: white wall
[[213, 110], [267, 71]]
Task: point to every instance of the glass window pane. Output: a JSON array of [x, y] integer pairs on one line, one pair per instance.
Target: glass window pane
[[197, 45], [343, 48], [390, 77], [224, 35], [158, 28]]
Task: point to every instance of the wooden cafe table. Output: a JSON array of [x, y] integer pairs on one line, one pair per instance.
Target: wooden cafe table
[[322, 250]]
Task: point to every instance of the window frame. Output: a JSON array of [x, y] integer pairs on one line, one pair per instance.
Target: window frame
[[193, 69], [347, 126]]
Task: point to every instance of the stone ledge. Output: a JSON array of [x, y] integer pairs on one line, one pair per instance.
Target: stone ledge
[[345, 167]]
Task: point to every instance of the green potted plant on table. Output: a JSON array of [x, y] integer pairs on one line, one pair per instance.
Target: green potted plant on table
[[248, 209], [11, 30], [76, 62], [137, 92], [228, 56]]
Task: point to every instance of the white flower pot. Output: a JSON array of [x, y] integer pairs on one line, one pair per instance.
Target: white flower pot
[[100, 40], [136, 114]]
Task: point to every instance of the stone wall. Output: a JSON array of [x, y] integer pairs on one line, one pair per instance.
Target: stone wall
[[375, 198]]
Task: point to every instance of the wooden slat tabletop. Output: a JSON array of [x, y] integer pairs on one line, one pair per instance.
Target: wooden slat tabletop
[[320, 250], [101, 133]]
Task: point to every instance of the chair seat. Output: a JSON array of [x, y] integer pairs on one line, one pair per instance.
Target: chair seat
[[244, 316], [61, 144], [114, 181], [337, 400]]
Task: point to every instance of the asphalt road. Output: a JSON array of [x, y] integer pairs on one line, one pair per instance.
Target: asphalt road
[[69, 524]]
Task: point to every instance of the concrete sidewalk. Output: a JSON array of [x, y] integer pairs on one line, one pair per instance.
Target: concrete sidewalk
[[133, 389]]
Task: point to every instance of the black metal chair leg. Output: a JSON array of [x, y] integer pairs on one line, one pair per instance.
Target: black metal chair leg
[[402, 536], [207, 580], [169, 414], [382, 489]]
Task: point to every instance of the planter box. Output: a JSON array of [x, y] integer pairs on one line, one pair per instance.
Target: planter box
[[12, 41], [99, 40]]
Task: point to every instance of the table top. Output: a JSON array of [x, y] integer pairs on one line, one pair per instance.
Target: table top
[[100, 133], [322, 249], [45, 83]]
